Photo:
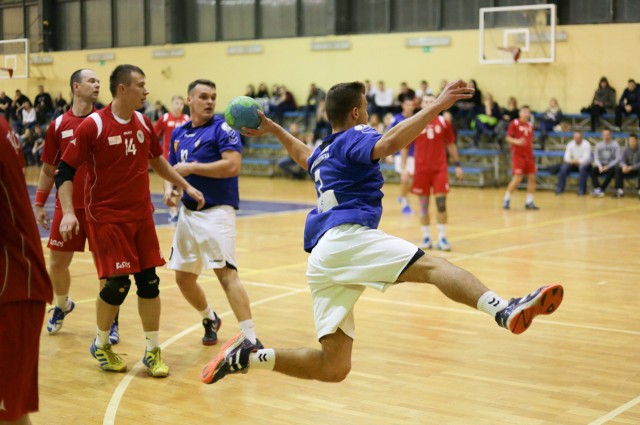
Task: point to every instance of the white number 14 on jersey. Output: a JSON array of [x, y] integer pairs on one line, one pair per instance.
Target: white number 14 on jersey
[[131, 147]]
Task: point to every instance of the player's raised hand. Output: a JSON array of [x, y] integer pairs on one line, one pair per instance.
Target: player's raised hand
[[266, 126], [69, 226], [42, 217], [453, 92], [196, 195]]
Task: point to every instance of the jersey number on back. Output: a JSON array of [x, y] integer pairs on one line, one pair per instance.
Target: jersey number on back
[[326, 200], [131, 147]]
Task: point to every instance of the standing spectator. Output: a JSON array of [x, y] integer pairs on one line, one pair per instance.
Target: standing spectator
[[604, 102], [118, 144], [405, 92], [487, 119], [26, 288], [423, 90], [551, 120], [520, 137], [629, 102], [605, 159], [315, 96], [629, 165], [577, 157], [60, 106], [382, 98], [5, 105], [44, 106], [19, 102]]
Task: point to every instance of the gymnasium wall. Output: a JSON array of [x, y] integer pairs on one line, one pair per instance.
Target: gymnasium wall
[[590, 52]]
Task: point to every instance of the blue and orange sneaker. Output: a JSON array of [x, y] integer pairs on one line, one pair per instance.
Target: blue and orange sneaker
[[520, 312], [233, 358], [54, 324]]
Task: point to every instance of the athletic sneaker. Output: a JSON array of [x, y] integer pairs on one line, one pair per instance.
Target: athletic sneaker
[[211, 328], [443, 245], [173, 219], [114, 335], [233, 358], [153, 360], [406, 210], [519, 314], [619, 193], [426, 243], [57, 318], [597, 193], [505, 204], [109, 361], [531, 206]]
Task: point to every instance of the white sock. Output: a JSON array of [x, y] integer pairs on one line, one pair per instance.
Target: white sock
[[441, 231], [529, 198], [263, 359], [507, 196], [151, 338], [249, 330], [102, 338], [208, 313], [62, 302], [426, 232], [491, 304], [404, 201]]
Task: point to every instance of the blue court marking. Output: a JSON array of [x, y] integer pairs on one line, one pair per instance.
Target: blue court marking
[[161, 214]]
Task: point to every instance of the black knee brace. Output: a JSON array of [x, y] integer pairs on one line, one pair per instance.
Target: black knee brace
[[115, 290], [441, 204], [148, 283]]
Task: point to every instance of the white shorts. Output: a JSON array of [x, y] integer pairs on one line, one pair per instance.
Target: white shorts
[[397, 164], [347, 260], [204, 239]]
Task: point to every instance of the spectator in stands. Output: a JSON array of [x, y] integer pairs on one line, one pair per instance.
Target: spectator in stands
[[44, 106], [5, 105], [486, 120], [551, 120], [157, 112], [250, 91], [38, 144], [464, 111], [369, 93], [443, 84], [629, 165], [423, 90], [404, 163], [27, 142], [285, 102], [405, 92], [382, 98], [508, 114], [376, 123], [60, 107], [605, 159], [604, 102], [19, 101], [288, 166], [323, 127], [315, 96], [577, 157], [629, 102], [263, 91], [29, 118]]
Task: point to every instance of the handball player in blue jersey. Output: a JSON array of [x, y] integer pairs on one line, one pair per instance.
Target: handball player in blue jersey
[[207, 153], [349, 254]]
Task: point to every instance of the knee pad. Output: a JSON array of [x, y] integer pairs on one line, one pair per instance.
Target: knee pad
[[148, 283], [441, 204], [115, 290]]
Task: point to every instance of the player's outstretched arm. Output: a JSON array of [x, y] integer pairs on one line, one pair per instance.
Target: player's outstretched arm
[[405, 132], [166, 171], [297, 149]]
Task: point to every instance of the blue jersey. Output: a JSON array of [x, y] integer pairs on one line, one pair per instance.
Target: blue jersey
[[347, 181], [205, 145], [397, 119]]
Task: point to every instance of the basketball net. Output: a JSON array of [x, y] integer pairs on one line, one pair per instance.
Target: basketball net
[[515, 52], [9, 70]]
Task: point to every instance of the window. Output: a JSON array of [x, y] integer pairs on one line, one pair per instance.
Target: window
[[129, 23], [156, 22], [318, 17], [12, 23], [463, 14], [238, 19], [97, 24], [278, 18], [370, 16], [626, 11], [416, 15], [67, 26], [584, 11]]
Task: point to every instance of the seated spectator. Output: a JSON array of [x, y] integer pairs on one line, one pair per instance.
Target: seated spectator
[[551, 120], [577, 157], [285, 102], [382, 99], [60, 106], [38, 144], [5, 105], [315, 96], [629, 102], [405, 92], [604, 102], [369, 93], [262, 97], [288, 166], [250, 91], [157, 112], [27, 142], [29, 117], [605, 160], [376, 123], [629, 165], [19, 102], [423, 90], [465, 110], [508, 114], [486, 120], [44, 106], [323, 127]]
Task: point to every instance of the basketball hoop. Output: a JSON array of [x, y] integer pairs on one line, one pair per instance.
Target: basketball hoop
[[9, 70], [515, 52]]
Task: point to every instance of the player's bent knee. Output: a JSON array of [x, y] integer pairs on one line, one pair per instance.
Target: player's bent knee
[[441, 204], [115, 290], [148, 283], [337, 373]]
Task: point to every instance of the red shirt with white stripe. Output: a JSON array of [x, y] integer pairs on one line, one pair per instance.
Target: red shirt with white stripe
[[60, 132], [165, 126], [23, 275], [521, 130], [430, 153], [117, 154]]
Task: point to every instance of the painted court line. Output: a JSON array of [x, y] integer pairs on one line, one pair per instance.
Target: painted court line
[[616, 412]]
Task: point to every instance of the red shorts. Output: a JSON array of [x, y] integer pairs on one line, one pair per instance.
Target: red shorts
[[523, 165], [77, 241], [124, 248], [424, 181], [20, 335]]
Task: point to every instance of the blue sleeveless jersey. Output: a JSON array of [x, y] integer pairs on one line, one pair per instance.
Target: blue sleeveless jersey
[[347, 182], [205, 144]]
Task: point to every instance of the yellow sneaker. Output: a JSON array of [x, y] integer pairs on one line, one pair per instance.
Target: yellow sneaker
[[109, 361], [153, 360]]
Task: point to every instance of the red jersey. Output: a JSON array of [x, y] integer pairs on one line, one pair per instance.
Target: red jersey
[[430, 153], [117, 154], [23, 274], [521, 130], [59, 134], [165, 126]]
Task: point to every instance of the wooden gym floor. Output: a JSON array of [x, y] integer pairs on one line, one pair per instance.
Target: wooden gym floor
[[418, 358]]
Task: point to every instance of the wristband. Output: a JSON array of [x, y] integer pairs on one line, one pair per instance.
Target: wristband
[[41, 197], [457, 163]]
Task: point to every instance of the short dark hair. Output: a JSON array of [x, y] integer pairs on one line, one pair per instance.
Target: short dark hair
[[122, 75], [200, 81], [341, 99], [631, 80], [634, 135], [76, 77]]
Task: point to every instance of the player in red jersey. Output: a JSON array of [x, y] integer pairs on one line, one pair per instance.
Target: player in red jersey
[[118, 144], [431, 173], [25, 287], [520, 137], [163, 128], [85, 86]]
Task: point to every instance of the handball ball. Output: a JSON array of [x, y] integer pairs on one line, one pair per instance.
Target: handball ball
[[243, 112]]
